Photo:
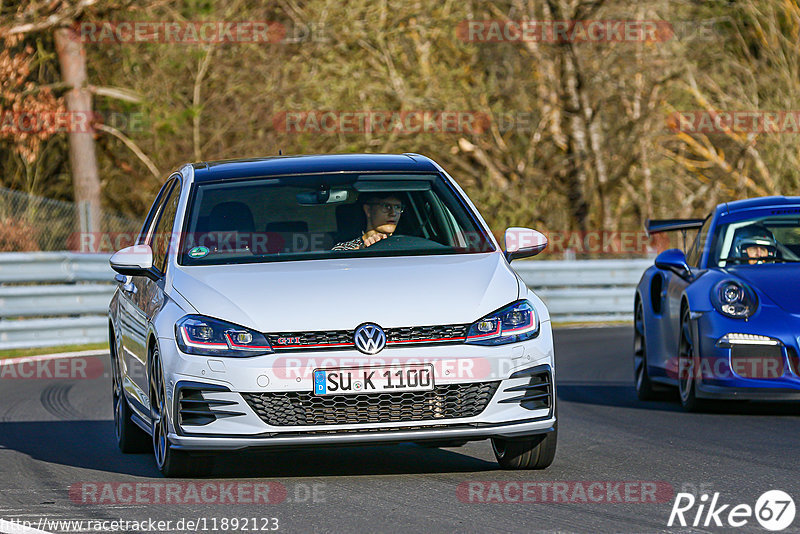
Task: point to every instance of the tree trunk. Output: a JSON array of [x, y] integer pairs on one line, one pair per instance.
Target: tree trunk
[[82, 159]]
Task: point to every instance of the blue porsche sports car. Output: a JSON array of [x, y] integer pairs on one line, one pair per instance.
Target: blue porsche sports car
[[722, 320]]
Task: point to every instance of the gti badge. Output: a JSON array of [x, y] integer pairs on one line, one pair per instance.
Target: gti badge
[[370, 338]]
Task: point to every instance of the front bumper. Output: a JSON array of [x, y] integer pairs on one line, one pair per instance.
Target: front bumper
[[242, 427], [772, 377], [455, 432]]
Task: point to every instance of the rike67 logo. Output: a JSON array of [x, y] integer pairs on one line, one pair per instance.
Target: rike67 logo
[[774, 510]]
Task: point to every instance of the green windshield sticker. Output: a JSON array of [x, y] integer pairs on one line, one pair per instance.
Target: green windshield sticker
[[198, 252]]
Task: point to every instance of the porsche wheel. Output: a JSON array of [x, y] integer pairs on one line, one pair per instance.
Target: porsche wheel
[[688, 366], [645, 390]]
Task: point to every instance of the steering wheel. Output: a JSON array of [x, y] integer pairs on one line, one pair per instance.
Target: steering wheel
[[404, 242]]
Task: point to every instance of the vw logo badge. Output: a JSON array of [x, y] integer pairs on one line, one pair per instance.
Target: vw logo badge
[[370, 338]]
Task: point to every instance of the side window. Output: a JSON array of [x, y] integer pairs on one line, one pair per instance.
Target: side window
[[696, 250], [162, 233], [152, 215]]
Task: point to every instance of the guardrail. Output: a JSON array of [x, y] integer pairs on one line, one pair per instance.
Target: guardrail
[[53, 298], [585, 290], [61, 298]]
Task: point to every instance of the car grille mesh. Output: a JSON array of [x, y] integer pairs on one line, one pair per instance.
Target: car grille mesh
[[424, 333], [338, 337], [303, 408], [757, 361], [343, 339]]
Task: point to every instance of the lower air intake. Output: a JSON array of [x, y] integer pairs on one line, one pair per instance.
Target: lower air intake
[[303, 408]]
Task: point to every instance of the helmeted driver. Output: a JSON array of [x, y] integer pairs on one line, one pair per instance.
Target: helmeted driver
[[754, 243]]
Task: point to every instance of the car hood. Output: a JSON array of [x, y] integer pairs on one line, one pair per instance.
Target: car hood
[[338, 294], [776, 281]]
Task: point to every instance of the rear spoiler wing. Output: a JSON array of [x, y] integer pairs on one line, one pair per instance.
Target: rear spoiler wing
[[657, 226]]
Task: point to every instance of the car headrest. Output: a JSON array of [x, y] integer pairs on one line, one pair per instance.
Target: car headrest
[[230, 216], [350, 221]]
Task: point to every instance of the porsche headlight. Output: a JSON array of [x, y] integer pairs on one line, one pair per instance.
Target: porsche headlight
[[205, 336], [516, 322], [734, 299]]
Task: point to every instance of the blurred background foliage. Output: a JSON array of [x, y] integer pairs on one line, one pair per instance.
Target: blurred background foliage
[[579, 135]]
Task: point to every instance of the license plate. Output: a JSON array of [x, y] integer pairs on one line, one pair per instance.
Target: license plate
[[358, 380]]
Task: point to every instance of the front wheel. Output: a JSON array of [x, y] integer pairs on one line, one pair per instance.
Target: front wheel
[[535, 453], [130, 438], [645, 390], [170, 461], [688, 367]]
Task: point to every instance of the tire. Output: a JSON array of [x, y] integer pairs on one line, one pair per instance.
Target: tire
[[688, 366], [535, 453], [645, 389], [171, 462], [130, 438]]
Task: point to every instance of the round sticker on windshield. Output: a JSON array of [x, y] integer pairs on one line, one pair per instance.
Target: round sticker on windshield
[[198, 252]]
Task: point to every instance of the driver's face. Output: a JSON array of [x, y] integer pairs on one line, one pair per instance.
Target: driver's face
[[383, 214], [756, 252]]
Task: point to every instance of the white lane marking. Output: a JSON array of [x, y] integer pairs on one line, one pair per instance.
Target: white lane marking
[[14, 361], [8, 527]]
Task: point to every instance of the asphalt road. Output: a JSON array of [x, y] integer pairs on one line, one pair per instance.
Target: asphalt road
[[56, 440]]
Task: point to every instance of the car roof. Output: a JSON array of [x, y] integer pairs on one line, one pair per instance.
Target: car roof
[[312, 164], [754, 203]]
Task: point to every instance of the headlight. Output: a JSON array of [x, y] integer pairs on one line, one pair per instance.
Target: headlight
[[205, 336], [516, 322], [734, 299]]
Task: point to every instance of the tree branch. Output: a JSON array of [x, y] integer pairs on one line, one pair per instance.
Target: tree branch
[[56, 19], [134, 148]]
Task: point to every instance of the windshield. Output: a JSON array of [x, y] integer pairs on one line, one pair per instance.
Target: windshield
[[327, 216], [760, 240]]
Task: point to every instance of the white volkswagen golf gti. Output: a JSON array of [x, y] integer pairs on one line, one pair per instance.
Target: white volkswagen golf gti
[[321, 301]]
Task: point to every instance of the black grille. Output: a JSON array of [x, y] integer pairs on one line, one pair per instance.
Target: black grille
[[534, 395], [343, 339], [757, 361], [304, 408], [296, 340], [196, 410], [453, 332]]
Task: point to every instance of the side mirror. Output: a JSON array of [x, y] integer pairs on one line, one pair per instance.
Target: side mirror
[[673, 260], [134, 261], [523, 243]]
